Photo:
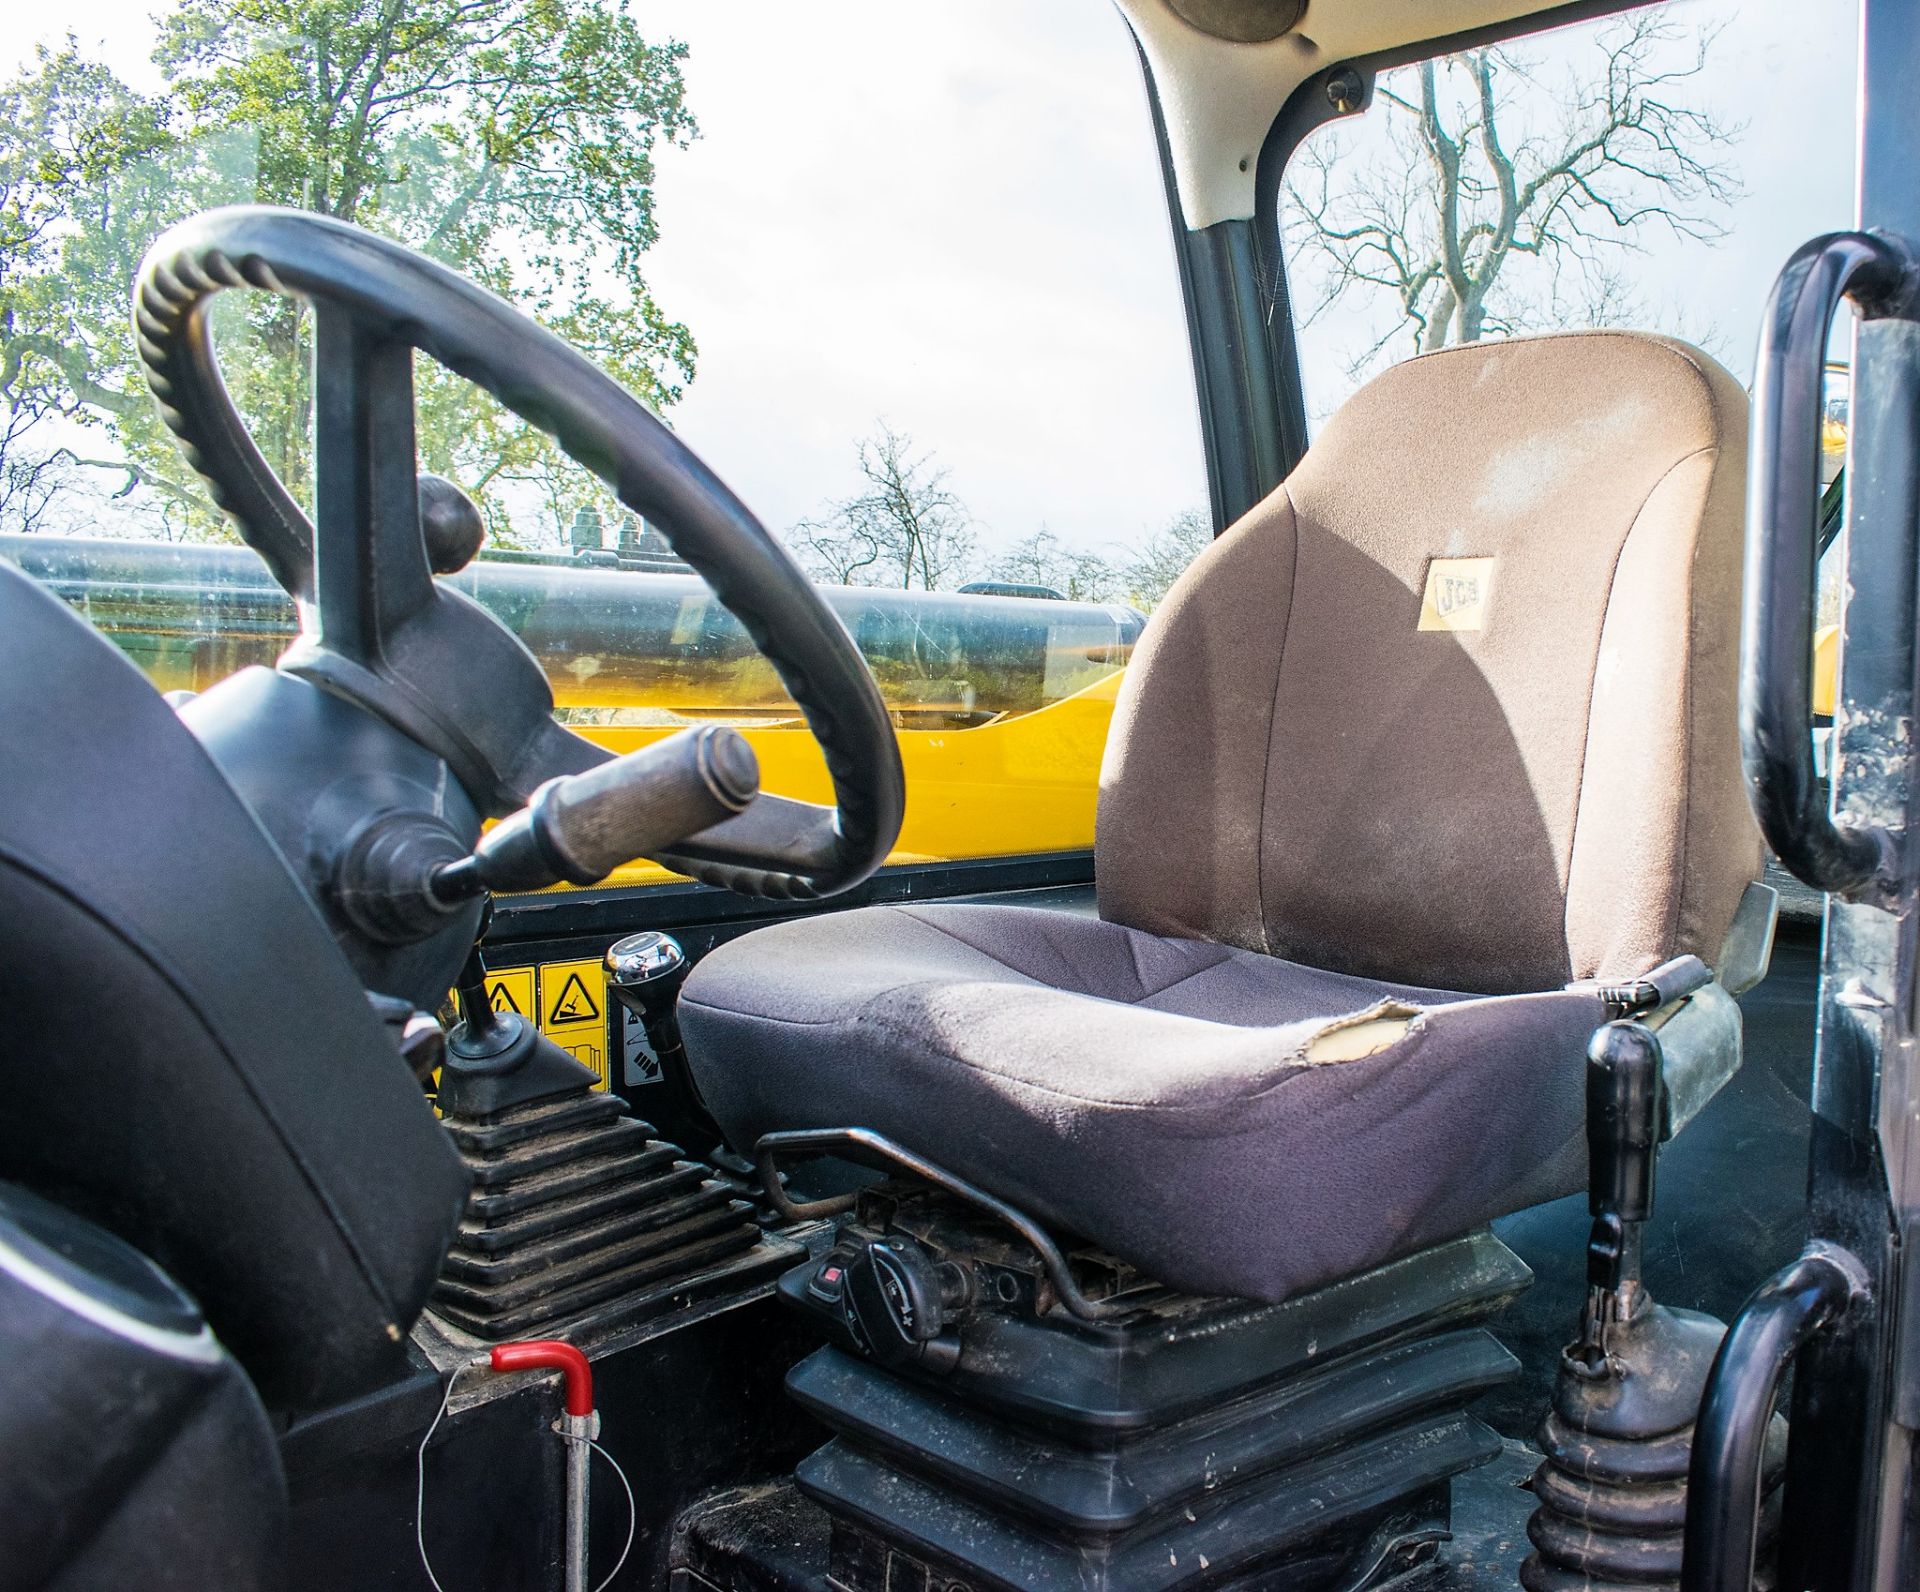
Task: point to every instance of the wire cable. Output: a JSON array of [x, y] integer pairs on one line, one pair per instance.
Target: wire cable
[[420, 1491], [633, 1513]]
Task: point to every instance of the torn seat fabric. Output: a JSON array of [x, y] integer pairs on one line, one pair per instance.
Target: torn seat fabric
[[1177, 1102]]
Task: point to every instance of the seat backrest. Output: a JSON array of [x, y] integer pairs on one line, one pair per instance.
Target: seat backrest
[[1456, 705]]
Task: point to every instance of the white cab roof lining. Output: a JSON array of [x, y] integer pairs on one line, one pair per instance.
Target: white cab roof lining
[[1219, 99]]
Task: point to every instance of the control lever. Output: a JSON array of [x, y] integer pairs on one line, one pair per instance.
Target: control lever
[[1612, 1482], [579, 827], [644, 973], [498, 1060], [900, 1303], [1623, 1145]]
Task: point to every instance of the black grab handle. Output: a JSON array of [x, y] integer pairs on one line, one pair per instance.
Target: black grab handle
[[1729, 1438], [1783, 495]]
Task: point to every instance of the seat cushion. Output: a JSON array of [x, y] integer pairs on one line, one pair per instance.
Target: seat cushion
[[1228, 1122]]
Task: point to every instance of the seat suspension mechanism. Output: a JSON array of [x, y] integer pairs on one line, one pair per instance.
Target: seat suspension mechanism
[[992, 1428]]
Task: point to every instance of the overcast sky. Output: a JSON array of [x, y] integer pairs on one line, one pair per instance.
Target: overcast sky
[[947, 214]]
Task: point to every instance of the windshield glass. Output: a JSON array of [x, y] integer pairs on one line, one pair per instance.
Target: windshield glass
[[903, 281]]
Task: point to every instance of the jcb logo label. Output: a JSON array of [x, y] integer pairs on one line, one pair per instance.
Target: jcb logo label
[[1457, 593]]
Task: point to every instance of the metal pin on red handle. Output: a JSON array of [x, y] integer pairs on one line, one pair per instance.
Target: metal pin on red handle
[[549, 1354]]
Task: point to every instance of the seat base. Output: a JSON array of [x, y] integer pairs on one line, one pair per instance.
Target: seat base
[[1133, 1088], [1189, 1443]]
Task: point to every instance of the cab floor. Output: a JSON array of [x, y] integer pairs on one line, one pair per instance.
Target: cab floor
[[1490, 1509], [771, 1539]]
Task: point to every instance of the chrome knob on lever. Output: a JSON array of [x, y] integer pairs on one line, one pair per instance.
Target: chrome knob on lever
[[580, 827]]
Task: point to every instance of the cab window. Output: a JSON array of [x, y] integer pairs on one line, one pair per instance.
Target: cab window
[[903, 281], [1623, 172]]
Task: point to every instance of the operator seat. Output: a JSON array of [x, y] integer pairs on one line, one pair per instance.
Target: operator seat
[[1431, 747]]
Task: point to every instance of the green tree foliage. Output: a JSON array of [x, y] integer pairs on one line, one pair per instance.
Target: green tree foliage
[[512, 139]]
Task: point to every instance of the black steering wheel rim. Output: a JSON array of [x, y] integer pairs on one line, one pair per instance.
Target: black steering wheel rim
[[373, 298]]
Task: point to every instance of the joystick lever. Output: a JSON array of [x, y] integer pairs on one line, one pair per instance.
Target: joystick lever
[[1623, 1145], [1617, 1439]]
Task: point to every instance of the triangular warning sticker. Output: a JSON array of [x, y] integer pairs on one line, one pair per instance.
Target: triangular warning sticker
[[503, 1001], [575, 1005]]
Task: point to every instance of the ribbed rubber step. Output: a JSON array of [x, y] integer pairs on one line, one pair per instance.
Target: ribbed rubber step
[[490, 1135], [469, 1308], [556, 1183], [622, 1136]]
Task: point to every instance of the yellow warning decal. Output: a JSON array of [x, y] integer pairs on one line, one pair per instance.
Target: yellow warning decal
[[573, 1004], [511, 990], [568, 1000], [573, 1010]]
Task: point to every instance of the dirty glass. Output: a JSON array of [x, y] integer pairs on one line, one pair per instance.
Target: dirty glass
[[903, 281], [1635, 171]]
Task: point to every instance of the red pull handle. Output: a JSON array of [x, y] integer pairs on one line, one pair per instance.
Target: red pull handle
[[549, 1354]]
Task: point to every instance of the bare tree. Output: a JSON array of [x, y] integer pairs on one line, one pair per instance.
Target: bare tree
[[1159, 563], [31, 479], [906, 529], [1043, 559], [1440, 224], [55, 490]]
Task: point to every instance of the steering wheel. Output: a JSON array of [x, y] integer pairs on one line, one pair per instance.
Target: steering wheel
[[378, 629]]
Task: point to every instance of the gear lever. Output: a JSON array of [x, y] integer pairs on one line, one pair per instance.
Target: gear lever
[[400, 877], [644, 973]]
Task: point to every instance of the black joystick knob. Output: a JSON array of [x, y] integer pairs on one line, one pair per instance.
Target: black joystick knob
[[450, 523], [1624, 1113], [1623, 1145]]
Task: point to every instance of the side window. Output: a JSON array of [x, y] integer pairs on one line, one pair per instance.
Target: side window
[[1625, 172], [913, 300]]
